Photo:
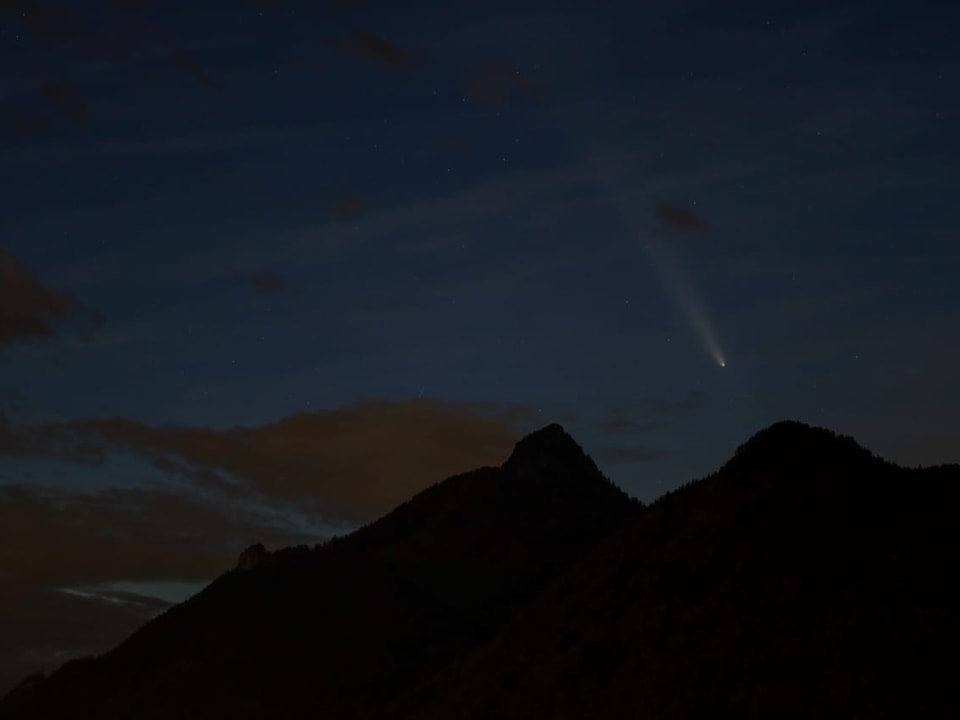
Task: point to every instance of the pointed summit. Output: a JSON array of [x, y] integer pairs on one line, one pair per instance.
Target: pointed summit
[[252, 557], [550, 461], [548, 444]]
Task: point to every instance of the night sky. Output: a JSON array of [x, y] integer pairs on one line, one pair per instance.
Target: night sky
[[269, 268]]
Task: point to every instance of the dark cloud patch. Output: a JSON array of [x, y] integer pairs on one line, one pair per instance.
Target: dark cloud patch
[[380, 51], [29, 125], [187, 64], [136, 30], [117, 37], [65, 101], [52, 23], [678, 218], [625, 436], [22, 440], [354, 463], [456, 145], [626, 428], [267, 283], [345, 207], [265, 4], [621, 425], [35, 16], [309, 64], [494, 84], [635, 454], [281, 4], [693, 400], [29, 310], [270, 198], [650, 417], [26, 442]]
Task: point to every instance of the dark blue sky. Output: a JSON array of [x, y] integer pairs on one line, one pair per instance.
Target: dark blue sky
[[388, 240]]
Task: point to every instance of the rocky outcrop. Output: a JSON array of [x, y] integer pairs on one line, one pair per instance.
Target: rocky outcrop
[[252, 557]]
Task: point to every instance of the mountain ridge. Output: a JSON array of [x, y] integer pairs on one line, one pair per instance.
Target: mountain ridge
[[688, 610], [454, 561], [538, 589]]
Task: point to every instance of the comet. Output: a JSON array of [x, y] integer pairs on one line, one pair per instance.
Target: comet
[[681, 291], [674, 280]]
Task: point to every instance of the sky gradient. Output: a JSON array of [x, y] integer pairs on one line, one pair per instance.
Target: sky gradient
[[269, 268]]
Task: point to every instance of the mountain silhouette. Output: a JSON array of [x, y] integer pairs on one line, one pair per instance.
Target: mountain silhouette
[[805, 578], [343, 628]]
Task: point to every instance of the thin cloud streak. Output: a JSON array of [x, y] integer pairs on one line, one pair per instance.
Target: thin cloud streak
[[48, 155]]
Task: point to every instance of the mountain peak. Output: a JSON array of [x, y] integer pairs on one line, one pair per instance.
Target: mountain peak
[[549, 455], [551, 441], [797, 446], [252, 557]]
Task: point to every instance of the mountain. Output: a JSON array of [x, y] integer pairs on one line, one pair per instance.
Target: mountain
[[805, 578], [342, 629]]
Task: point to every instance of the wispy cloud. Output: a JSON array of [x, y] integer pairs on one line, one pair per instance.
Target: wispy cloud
[[125, 149], [621, 425], [352, 463], [628, 433], [631, 454], [380, 51], [134, 29], [693, 400]]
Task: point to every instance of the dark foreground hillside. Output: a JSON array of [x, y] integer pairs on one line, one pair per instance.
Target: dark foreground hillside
[[805, 578]]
